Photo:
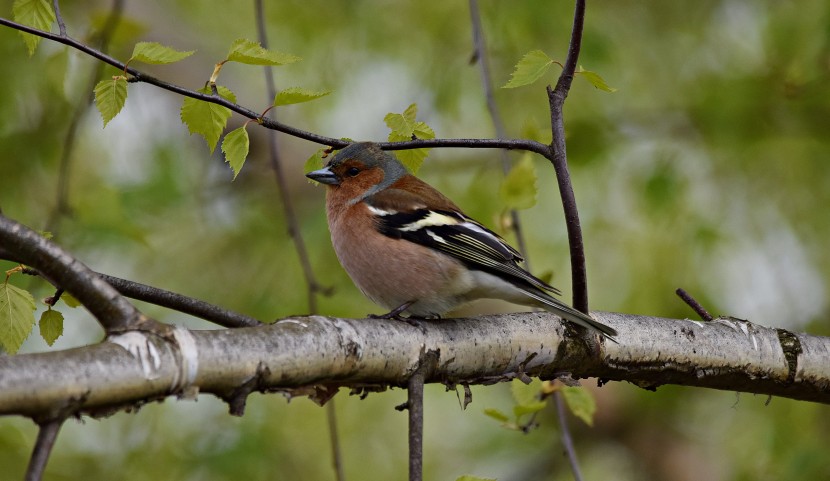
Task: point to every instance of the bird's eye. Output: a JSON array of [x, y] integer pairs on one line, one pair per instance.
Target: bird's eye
[[353, 171]]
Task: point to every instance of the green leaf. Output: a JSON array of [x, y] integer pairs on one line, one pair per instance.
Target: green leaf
[[235, 147], [205, 118], [532, 66], [412, 159], [110, 97], [70, 300], [468, 477], [580, 402], [51, 326], [158, 54], [595, 79], [252, 53], [314, 162], [525, 393], [296, 95], [497, 415], [404, 127], [17, 308], [520, 410], [33, 13], [518, 189]]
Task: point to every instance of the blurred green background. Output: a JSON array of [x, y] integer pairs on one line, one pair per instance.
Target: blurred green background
[[708, 169]]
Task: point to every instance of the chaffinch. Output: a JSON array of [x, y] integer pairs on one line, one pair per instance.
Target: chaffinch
[[410, 249]]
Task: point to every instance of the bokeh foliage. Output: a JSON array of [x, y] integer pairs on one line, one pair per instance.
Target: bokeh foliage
[[709, 169]]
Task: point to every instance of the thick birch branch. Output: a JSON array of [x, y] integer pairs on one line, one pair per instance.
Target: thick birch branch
[[316, 354]]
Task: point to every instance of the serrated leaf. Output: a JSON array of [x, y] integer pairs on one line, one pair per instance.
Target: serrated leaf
[[529, 69], [595, 79], [33, 13], [205, 118], [70, 300], [17, 316], [497, 415], [468, 477], [581, 403], [235, 147], [110, 97], [158, 54], [525, 393], [518, 189], [296, 95], [404, 127], [412, 159], [252, 53], [399, 125], [520, 410], [51, 326]]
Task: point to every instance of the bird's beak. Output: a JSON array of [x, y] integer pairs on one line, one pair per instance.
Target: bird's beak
[[323, 176]]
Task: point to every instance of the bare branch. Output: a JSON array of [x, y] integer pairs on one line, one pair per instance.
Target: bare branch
[[699, 309], [480, 53], [59, 18], [565, 434], [113, 311], [312, 286], [46, 436], [299, 352], [559, 157]]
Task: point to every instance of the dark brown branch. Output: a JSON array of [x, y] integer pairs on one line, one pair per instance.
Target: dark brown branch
[[696, 306], [556, 99], [46, 436], [160, 297], [112, 310], [312, 286]]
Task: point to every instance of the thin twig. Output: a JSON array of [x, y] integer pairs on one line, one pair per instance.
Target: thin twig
[[480, 48], [104, 35], [312, 286], [138, 76], [160, 297], [59, 18], [567, 441], [334, 438], [46, 436], [696, 306]]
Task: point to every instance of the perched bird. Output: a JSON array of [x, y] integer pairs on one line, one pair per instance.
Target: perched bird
[[410, 249]]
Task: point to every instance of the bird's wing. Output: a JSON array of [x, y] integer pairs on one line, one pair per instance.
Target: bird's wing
[[401, 215]]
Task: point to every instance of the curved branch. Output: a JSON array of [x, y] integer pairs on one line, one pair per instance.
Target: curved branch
[[559, 158], [112, 310], [139, 76]]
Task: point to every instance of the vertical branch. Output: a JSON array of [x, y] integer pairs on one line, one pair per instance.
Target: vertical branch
[[565, 434], [480, 54], [46, 436], [415, 406], [559, 157], [103, 36], [312, 286]]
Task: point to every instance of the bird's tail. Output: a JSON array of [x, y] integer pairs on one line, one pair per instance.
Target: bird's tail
[[567, 312]]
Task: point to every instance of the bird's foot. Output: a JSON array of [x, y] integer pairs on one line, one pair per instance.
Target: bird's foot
[[394, 313]]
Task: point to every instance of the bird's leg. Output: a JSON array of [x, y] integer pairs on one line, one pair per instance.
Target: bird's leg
[[394, 313]]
